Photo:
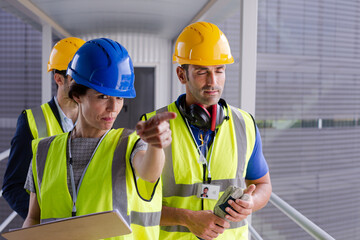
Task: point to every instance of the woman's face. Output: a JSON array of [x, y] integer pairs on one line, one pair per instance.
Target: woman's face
[[98, 111]]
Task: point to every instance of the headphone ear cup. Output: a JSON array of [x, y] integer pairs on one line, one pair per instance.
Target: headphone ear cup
[[182, 109], [200, 116]]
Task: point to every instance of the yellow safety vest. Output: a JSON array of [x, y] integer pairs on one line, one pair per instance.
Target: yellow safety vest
[[108, 183], [182, 174], [42, 121]]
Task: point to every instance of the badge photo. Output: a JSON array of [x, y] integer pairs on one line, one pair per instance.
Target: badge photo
[[208, 191]]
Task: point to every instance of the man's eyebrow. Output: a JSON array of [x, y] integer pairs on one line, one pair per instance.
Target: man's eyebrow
[[207, 68], [201, 68]]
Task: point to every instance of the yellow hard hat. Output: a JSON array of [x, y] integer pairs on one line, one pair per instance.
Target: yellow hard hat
[[63, 52], [202, 43]]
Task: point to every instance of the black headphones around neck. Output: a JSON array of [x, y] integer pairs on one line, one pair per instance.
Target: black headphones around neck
[[200, 117]]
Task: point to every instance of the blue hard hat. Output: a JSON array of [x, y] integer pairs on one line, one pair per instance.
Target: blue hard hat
[[105, 66]]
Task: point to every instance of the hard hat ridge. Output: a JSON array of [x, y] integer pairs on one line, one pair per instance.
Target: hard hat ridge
[[202, 43], [62, 53], [104, 65]]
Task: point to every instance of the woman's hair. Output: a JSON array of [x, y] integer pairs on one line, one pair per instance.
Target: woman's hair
[[77, 90]]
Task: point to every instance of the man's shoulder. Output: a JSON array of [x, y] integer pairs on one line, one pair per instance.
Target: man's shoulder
[[242, 114], [166, 108], [50, 103], [240, 111], [148, 115], [234, 108]]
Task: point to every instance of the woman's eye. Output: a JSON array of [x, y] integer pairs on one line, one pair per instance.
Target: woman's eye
[[102, 97]]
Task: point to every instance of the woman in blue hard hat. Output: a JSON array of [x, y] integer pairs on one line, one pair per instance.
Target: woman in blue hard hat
[[95, 168]]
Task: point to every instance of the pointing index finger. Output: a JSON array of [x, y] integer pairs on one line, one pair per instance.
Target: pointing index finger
[[160, 117]]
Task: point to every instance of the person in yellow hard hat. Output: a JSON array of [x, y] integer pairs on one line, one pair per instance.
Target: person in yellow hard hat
[[214, 145], [56, 116]]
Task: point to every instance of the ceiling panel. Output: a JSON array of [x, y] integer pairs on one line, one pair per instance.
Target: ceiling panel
[[164, 18]]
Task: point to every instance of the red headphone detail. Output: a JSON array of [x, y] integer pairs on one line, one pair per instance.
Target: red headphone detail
[[200, 117]]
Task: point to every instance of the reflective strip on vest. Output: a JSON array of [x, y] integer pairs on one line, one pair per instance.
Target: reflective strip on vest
[[142, 219], [147, 219], [240, 134], [43, 122], [41, 154], [40, 122], [179, 228], [120, 201], [119, 183], [119, 198]]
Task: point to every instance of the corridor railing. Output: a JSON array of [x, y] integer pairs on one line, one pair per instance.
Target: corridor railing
[[310, 227], [302, 221], [4, 154], [11, 217]]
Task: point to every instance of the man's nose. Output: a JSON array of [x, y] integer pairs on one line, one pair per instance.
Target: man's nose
[[211, 79]]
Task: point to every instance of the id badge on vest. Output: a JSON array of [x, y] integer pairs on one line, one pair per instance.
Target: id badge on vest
[[209, 191]]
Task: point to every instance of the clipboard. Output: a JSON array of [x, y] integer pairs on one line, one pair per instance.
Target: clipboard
[[88, 227]]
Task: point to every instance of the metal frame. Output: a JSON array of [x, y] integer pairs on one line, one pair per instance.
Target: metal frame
[[8, 220], [39, 16], [45, 53], [248, 53]]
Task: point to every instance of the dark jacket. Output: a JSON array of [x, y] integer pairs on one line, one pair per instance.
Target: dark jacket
[[18, 164]]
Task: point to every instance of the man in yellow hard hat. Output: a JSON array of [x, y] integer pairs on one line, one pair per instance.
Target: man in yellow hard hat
[[57, 116], [214, 145]]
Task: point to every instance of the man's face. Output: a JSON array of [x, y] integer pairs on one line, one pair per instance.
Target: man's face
[[204, 84]]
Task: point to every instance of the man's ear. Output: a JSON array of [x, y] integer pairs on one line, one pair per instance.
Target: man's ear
[[59, 79], [181, 73]]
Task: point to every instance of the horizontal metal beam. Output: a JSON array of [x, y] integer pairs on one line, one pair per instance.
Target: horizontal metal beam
[[44, 17], [30, 13], [216, 11]]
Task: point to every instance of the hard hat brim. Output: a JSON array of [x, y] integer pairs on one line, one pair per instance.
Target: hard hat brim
[[181, 61], [127, 93]]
